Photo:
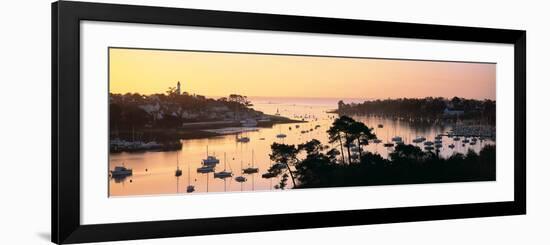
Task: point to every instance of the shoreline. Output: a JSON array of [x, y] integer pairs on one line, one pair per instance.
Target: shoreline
[[194, 130]]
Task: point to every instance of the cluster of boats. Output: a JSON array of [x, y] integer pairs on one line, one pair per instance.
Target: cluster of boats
[[436, 144], [210, 162], [118, 145], [310, 130]]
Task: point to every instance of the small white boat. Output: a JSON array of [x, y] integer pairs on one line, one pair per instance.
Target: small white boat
[[251, 170], [121, 171], [205, 169], [210, 160], [223, 174], [268, 175], [243, 140], [190, 188], [419, 139], [240, 179], [397, 139], [178, 170]]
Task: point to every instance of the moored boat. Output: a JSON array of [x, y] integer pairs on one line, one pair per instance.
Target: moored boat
[[121, 171], [205, 169]]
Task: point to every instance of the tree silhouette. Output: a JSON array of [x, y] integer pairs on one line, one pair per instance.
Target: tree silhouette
[[359, 132], [339, 132], [285, 154], [345, 130]]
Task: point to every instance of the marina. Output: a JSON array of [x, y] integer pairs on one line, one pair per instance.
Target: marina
[[153, 171]]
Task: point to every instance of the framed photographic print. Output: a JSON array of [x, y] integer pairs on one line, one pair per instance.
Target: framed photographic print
[[175, 122]]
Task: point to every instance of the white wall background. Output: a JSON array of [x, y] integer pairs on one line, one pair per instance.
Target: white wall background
[[25, 121]]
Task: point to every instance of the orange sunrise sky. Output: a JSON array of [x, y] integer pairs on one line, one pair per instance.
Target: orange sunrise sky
[[220, 74]]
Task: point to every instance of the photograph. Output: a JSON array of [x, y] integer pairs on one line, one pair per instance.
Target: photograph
[[185, 122]]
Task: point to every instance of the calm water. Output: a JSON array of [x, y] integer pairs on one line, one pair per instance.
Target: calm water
[[153, 172]]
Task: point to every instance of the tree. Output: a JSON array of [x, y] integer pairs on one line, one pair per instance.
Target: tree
[[285, 154], [171, 91], [317, 168], [338, 132], [359, 132], [405, 153], [312, 147], [239, 99]]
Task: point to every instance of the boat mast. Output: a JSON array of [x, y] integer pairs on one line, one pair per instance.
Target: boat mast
[[252, 167], [224, 163]]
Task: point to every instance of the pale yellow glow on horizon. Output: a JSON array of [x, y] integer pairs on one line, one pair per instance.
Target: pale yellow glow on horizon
[[220, 74]]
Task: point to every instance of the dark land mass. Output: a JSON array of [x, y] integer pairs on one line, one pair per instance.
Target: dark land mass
[[425, 110], [164, 119]]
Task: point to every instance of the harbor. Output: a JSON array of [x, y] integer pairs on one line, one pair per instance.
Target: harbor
[[241, 154]]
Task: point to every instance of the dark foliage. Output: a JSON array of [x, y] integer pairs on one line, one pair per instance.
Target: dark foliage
[[407, 165], [429, 107], [127, 113]]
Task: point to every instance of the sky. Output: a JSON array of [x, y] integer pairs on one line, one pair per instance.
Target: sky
[[215, 74]]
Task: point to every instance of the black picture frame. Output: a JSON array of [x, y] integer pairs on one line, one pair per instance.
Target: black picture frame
[[65, 223]]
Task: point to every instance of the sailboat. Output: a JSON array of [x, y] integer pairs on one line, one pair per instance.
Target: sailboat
[[178, 170], [223, 174], [388, 143], [241, 178], [208, 164], [121, 171], [251, 170], [190, 188], [210, 160], [280, 135]]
